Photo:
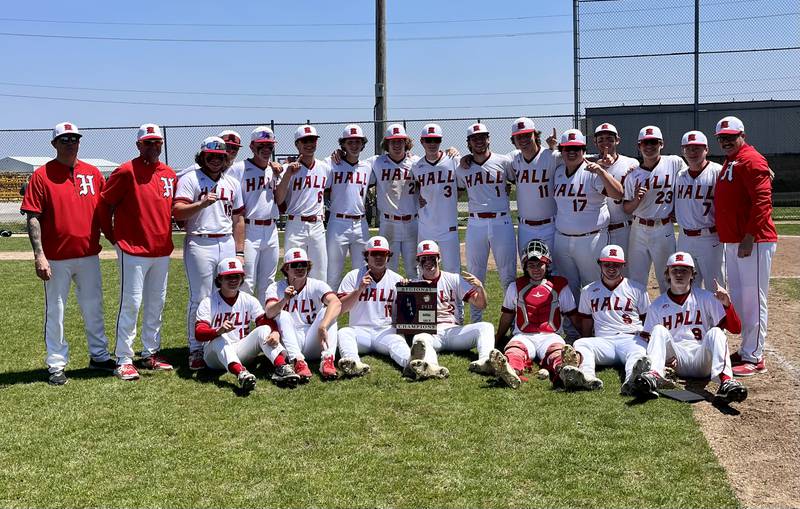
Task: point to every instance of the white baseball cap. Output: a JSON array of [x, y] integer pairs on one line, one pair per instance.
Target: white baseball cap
[[65, 128], [428, 247], [694, 138], [730, 125], [680, 259], [231, 138], [377, 243], [612, 253], [395, 132], [149, 132], [352, 131], [295, 254], [605, 127], [304, 131], [213, 145], [262, 134], [477, 128], [229, 266], [522, 125], [431, 131], [572, 137], [650, 132]]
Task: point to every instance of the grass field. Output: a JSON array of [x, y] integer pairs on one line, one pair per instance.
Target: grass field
[[179, 440]]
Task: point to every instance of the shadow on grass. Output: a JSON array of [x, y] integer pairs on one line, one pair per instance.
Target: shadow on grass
[[41, 375]]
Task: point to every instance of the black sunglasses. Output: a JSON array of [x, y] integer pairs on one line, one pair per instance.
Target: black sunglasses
[[69, 138], [298, 265]]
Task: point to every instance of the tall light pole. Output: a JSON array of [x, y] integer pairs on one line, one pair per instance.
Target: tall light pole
[[380, 71]]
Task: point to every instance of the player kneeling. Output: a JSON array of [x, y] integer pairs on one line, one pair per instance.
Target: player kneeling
[[222, 322], [450, 335], [616, 307], [685, 326], [306, 330], [534, 303], [368, 293]]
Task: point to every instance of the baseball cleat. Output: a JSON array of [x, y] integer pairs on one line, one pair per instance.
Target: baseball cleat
[[247, 380], [574, 378], [750, 368], [642, 365], [441, 372], [327, 369], [645, 385], [196, 361], [302, 370], [569, 357], [156, 363], [731, 391], [284, 374], [542, 374], [351, 367], [58, 378], [409, 371], [503, 369], [418, 348], [107, 365], [482, 367], [126, 372]]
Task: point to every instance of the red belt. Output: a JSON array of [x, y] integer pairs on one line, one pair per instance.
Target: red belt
[[258, 222], [653, 222], [537, 223], [617, 226], [579, 234], [307, 219], [487, 215], [407, 217], [697, 233], [212, 235], [349, 216]]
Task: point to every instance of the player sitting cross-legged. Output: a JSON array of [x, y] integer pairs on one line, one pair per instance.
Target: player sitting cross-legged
[[534, 304], [223, 320], [616, 307], [685, 329], [451, 289]]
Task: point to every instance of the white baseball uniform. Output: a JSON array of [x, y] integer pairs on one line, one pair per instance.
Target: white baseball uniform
[[438, 219], [261, 231], [535, 203], [694, 211], [347, 225], [489, 225], [397, 204], [619, 226], [370, 327], [616, 313], [305, 210], [652, 237], [209, 235]]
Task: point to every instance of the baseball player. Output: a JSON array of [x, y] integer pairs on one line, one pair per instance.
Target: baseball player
[[743, 213], [60, 204], [347, 226], [368, 294], [232, 144], [223, 323], [302, 190], [138, 199], [489, 225], [534, 304], [451, 335], [649, 196], [258, 177], [615, 306], [694, 209], [685, 330], [580, 189], [308, 331], [210, 201], [438, 197]]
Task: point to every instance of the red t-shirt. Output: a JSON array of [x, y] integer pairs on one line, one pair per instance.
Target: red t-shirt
[[743, 198], [139, 196], [67, 206]]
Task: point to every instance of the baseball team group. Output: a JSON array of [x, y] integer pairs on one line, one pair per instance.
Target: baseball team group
[[589, 229]]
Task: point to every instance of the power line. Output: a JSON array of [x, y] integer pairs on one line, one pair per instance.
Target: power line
[[683, 53]]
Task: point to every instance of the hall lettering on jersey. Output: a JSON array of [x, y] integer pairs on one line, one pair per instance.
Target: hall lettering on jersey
[[222, 193], [235, 318], [436, 177], [389, 174], [447, 296], [484, 177], [252, 184], [656, 182], [376, 295], [683, 318], [349, 177], [309, 182], [301, 306], [569, 190], [695, 192], [609, 304], [532, 177]]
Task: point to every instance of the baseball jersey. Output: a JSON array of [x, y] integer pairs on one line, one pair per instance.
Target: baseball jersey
[[694, 197], [240, 311], [141, 196], [348, 185], [451, 288], [373, 308], [534, 201], [304, 196], [538, 308], [620, 170], [614, 310], [217, 218], [580, 201], [486, 184], [258, 189], [397, 194], [66, 203], [438, 187], [688, 321], [305, 304], [657, 203]]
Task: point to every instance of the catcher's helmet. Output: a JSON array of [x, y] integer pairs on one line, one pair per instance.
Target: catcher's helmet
[[537, 249]]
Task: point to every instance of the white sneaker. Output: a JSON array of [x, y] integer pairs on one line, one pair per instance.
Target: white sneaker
[[351, 367], [247, 380]]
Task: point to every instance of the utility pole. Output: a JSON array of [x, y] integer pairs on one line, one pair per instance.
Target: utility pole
[[576, 72], [380, 72], [696, 119]]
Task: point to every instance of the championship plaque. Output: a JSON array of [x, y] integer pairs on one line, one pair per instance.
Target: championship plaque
[[415, 308]]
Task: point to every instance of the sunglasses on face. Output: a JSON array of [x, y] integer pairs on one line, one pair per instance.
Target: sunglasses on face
[[426, 259], [153, 143], [431, 141], [572, 149], [66, 140], [214, 157], [298, 265], [727, 137], [650, 142]]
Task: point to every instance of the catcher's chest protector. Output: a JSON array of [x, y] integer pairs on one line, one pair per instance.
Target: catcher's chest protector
[[537, 305]]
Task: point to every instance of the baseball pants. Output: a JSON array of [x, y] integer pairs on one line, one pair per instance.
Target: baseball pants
[[456, 338], [143, 283], [200, 258], [576, 259], [544, 232], [402, 237], [363, 340], [311, 237], [449, 246], [748, 283], [650, 244], [260, 259], [221, 351], [498, 235], [85, 271], [624, 349], [344, 235], [536, 344], [708, 254], [708, 357], [302, 342]]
